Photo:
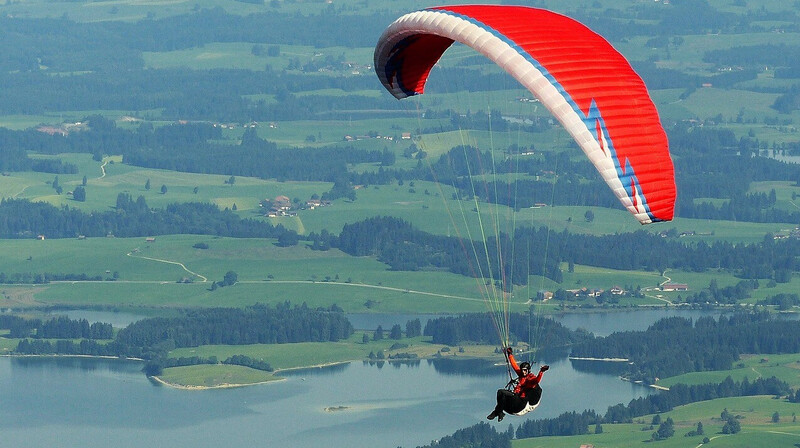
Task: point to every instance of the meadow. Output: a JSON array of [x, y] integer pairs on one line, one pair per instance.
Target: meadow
[[755, 416], [785, 367], [206, 376]]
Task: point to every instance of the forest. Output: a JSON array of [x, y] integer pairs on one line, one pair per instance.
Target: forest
[[479, 328], [55, 328], [675, 345], [257, 324], [152, 338]]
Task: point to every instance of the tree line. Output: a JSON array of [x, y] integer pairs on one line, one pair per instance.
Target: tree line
[[55, 328], [20, 218], [455, 330], [675, 345], [188, 147], [152, 338], [403, 247], [44, 277], [669, 347], [257, 324]]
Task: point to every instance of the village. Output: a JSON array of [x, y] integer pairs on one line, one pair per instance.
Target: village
[[610, 295], [283, 206]]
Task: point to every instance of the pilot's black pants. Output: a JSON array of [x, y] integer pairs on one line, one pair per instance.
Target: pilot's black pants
[[512, 403]]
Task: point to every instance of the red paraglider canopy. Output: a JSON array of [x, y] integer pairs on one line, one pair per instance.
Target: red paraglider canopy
[[584, 82]]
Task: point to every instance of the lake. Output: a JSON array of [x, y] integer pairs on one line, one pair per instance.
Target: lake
[[94, 402]]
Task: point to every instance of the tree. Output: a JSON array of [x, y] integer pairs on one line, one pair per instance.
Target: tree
[[396, 332], [589, 216], [365, 338], [287, 239], [230, 278], [776, 417], [598, 428], [79, 194], [163, 189], [378, 334], [696, 432], [413, 328], [147, 184], [665, 430], [656, 420], [84, 181], [731, 426]]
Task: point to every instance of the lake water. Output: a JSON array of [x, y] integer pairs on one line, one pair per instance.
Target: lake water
[[599, 323], [94, 403]]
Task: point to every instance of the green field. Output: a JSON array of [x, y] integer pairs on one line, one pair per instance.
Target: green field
[[202, 376], [315, 354], [425, 204], [754, 415], [785, 367], [140, 273], [147, 275]]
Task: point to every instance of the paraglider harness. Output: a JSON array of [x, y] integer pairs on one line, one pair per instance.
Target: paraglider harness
[[512, 384]]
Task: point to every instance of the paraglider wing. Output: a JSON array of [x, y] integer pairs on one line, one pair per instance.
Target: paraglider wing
[[577, 75]]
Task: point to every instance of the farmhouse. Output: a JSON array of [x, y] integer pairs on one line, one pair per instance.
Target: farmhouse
[[281, 203], [674, 287]]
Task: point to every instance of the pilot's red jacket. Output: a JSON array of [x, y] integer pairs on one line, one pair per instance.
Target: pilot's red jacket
[[526, 382]]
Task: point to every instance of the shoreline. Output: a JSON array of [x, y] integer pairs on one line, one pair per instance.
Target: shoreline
[[58, 355], [219, 386], [276, 379], [641, 383], [577, 358]]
